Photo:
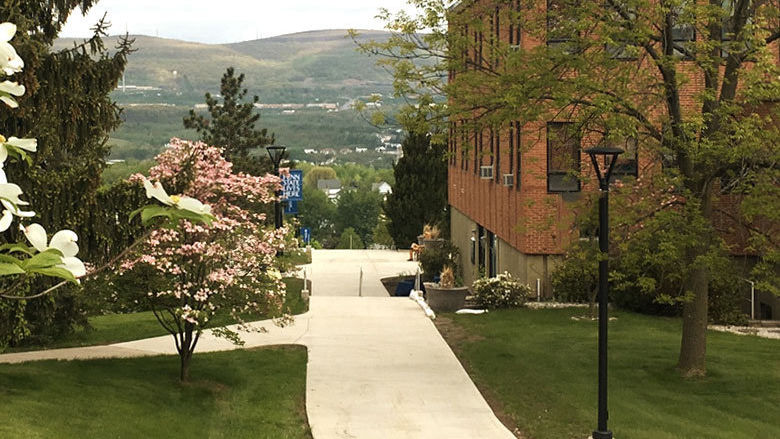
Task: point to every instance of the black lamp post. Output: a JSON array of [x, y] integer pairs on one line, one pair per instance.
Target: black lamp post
[[609, 156], [276, 153]]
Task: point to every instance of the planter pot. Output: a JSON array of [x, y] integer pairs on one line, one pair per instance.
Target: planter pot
[[445, 299], [433, 244]]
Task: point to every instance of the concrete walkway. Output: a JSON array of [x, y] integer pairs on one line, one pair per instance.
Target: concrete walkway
[[378, 368]]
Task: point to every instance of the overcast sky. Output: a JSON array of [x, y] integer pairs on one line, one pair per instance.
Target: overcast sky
[[227, 21]]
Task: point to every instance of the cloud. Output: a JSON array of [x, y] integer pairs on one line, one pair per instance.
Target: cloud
[[227, 21]]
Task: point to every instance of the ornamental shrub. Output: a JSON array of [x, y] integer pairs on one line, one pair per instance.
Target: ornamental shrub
[[434, 259], [501, 291]]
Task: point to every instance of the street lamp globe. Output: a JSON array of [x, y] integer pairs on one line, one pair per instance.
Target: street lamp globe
[[276, 153]]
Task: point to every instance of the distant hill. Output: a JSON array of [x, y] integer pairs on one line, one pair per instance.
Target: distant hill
[[298, 67]]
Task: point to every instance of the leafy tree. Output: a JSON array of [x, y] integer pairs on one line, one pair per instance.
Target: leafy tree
[[382, 234], [358, 210], [317, 212], [225, 268], [350, 240], [420, 193], [232, 126], [623, 69], [67, 107], [312, 176]]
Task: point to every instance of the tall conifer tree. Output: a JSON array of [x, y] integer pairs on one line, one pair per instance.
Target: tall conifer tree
[[420, 193]]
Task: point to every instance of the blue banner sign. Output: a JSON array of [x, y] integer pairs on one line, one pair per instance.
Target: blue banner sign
[[291, 208], [306, 235], [292, 185]]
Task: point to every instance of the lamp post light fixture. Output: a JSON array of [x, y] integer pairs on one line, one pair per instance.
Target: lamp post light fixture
[[276, 153], [609, 156]]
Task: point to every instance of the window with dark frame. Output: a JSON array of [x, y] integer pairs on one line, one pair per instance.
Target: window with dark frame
[[622, 49], [559, 33], [477, 158], [497, 38], [518, 29], [497, 152], [563, 157], [682, 34], [511, 148], [628, 162], [519, 152]]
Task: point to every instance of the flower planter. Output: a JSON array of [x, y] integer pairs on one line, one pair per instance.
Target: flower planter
[[445, 299]]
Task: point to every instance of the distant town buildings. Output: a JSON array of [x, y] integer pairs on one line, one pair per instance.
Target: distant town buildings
[[331, 187]]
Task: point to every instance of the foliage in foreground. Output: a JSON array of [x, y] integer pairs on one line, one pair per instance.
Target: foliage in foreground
[[67, 107]]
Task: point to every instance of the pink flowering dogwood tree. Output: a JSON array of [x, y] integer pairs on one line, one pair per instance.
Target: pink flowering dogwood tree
[[225, 269]]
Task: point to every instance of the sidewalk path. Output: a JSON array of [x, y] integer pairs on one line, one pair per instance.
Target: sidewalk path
[[378, 368]]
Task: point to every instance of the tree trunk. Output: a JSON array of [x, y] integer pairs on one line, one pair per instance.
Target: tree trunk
[[693, 348], [184, 373]]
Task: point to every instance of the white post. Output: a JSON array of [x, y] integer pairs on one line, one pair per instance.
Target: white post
[[417, 284], [752, 298], [360, 285], [538, 290], [305, 291]]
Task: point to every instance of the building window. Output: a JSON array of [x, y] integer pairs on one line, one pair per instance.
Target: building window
[[628, 162], [682, 34], [561, 32], [477, 151], [497, 153], [519, 153], [623, 49], [563, 157]]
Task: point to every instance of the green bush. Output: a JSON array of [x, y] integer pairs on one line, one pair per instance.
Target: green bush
[[350, 240], [576, 279], [434, 258], [499, 292]]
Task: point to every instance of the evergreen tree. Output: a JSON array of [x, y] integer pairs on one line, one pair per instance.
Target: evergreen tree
[[232, 126], [67, 107], [420, 193]]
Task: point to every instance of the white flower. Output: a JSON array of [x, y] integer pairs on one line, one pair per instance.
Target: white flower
[[30, 145], [8, 89], [10, 61], [10, 192], [191, 204], [10, 209], [64, 241], [157, 192]]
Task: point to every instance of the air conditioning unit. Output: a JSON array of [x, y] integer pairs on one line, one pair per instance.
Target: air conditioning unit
[[486, 172], [509, 180]]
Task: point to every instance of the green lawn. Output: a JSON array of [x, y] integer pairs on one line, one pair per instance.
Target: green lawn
[[296, 257], [538, 369], [116, 328], [256, 393]]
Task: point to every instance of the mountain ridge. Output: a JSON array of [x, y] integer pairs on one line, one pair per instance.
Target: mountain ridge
[[302, 66]]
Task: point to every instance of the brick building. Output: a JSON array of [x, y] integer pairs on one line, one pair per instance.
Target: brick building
[[512, 189]]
